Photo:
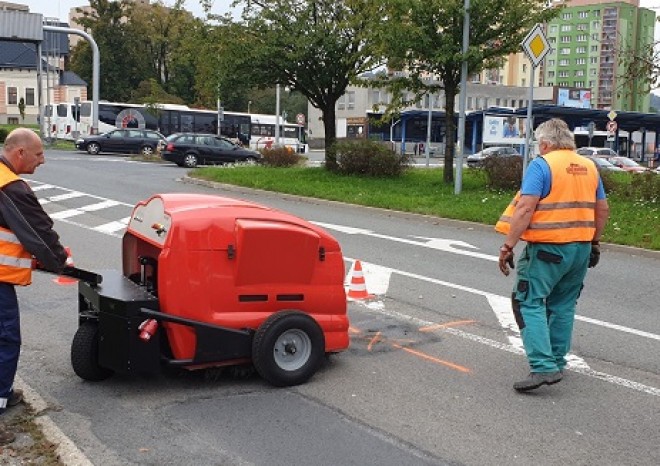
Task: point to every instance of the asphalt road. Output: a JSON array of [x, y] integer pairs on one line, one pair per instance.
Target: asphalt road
[[427, 379]]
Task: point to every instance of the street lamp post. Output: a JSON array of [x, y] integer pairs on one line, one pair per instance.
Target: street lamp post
[[249, 103]]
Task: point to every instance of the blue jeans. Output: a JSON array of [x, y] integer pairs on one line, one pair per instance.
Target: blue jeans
[[549, 281], [10, 340]]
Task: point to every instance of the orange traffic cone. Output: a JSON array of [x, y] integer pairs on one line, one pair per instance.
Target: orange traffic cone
[[62, 280], [358, 287]]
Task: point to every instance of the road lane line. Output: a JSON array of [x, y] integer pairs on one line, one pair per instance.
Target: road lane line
[[639, 333], [448, 324]]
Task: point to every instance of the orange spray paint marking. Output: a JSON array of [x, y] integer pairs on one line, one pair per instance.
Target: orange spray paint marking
[[373, 341], [433, 359], [354, 330], [430, 328]]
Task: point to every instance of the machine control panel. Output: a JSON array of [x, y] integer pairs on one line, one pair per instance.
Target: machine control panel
[[151, 222]]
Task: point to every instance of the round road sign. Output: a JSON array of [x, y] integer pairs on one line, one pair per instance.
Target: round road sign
[[611, 126]]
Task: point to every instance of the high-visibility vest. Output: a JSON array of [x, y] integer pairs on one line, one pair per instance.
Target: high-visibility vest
[[567, 214], [15, 261]]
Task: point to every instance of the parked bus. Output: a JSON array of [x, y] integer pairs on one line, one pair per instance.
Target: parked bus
[[263, 133], [65, 122], [253, 130]]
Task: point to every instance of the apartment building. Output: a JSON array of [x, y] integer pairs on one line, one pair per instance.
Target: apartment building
[[589, 40]]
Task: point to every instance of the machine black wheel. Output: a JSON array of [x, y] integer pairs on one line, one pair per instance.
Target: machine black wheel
[[85, 354], [190, 161], [93, 148], [288, 348], [147, 150]]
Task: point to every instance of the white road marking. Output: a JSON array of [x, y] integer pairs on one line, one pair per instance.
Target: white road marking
[[575, 363], [440, 244], [42, 187], [112, 227]]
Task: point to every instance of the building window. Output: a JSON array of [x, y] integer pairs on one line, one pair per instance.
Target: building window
[[592, 73], [581, 50], [580, 61], [597, 13], [593, 60], [29, 96], [582, 27], [592, 84], [553, 29], [582, 38], [566, 16], [524, 67], [551, 63], [594, 48], [579, 73], [579, 83], [551, 74], [351, 100], [469, 102], [583, 14], [551, 84], [565, 28], [565, 39], [12, 121], [497, 102], [375, 96], [565, 51], [563, 62], [595, 25], [563, 74], [12, 96]]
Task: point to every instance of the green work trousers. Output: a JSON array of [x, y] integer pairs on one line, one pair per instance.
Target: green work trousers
[[549, 281]]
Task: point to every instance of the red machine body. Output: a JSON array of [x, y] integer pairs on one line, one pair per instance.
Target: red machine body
[[232, 263]]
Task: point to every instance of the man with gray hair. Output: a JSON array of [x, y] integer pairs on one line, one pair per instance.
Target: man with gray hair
[[560, 211], [26, 233]]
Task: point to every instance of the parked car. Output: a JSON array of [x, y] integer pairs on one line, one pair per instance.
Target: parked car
[[192, 149], [604, 165], [597, 151], [127, 141], [477, 159], [627, 164]]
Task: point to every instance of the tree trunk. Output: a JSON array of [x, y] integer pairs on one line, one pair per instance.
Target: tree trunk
[[330, 127], [450, 134]]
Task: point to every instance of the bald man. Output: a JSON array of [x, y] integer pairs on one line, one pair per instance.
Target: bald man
[[26, 233]]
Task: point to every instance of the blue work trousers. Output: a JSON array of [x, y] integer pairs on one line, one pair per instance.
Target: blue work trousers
[[10, 340], [550, 278]]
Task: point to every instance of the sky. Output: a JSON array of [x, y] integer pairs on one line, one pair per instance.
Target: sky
[[60, 8]]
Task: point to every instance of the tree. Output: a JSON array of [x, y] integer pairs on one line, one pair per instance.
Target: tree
[[424, 38], [314, 47], [122, 68], [640, 66]]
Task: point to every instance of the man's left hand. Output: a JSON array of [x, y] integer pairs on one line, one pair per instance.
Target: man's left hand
[[506, 259]]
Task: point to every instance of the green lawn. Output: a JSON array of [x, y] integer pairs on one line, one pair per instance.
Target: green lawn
[[633, 221]]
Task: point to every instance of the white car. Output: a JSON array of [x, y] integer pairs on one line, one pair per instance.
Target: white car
[[477, 159], [596, 152]]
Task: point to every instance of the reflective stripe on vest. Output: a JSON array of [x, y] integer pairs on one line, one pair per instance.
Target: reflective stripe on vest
[[567, 214], [15, 261]]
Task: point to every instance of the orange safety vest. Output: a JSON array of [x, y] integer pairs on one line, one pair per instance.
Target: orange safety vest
[[15, 261], [567, 213]]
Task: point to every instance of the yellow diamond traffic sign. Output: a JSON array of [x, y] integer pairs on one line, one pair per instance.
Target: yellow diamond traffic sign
[[612, 115], [536, 45]]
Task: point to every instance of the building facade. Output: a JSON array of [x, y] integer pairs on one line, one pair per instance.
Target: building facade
[[589, 41]]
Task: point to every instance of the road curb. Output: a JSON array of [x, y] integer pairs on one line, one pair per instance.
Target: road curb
[[630, 250]]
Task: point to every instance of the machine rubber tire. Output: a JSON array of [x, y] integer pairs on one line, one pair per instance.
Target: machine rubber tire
[[147, 151], [93, 148], [288, 348], [190, 161], [85, 354]]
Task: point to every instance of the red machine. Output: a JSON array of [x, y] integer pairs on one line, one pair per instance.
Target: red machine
[[211, 281]]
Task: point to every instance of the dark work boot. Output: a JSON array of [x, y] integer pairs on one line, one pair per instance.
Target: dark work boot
[[15, 397], [536, 379]]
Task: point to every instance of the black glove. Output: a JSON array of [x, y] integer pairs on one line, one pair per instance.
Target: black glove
[[594, 257]]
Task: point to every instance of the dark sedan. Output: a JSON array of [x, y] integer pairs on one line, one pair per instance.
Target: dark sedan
[[477, 160], [126, 141], [191, 149]]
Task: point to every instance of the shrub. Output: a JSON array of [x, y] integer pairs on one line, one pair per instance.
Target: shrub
[[281, 157], [369, 158], [503, 172], [637, 187], [3, 134]]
